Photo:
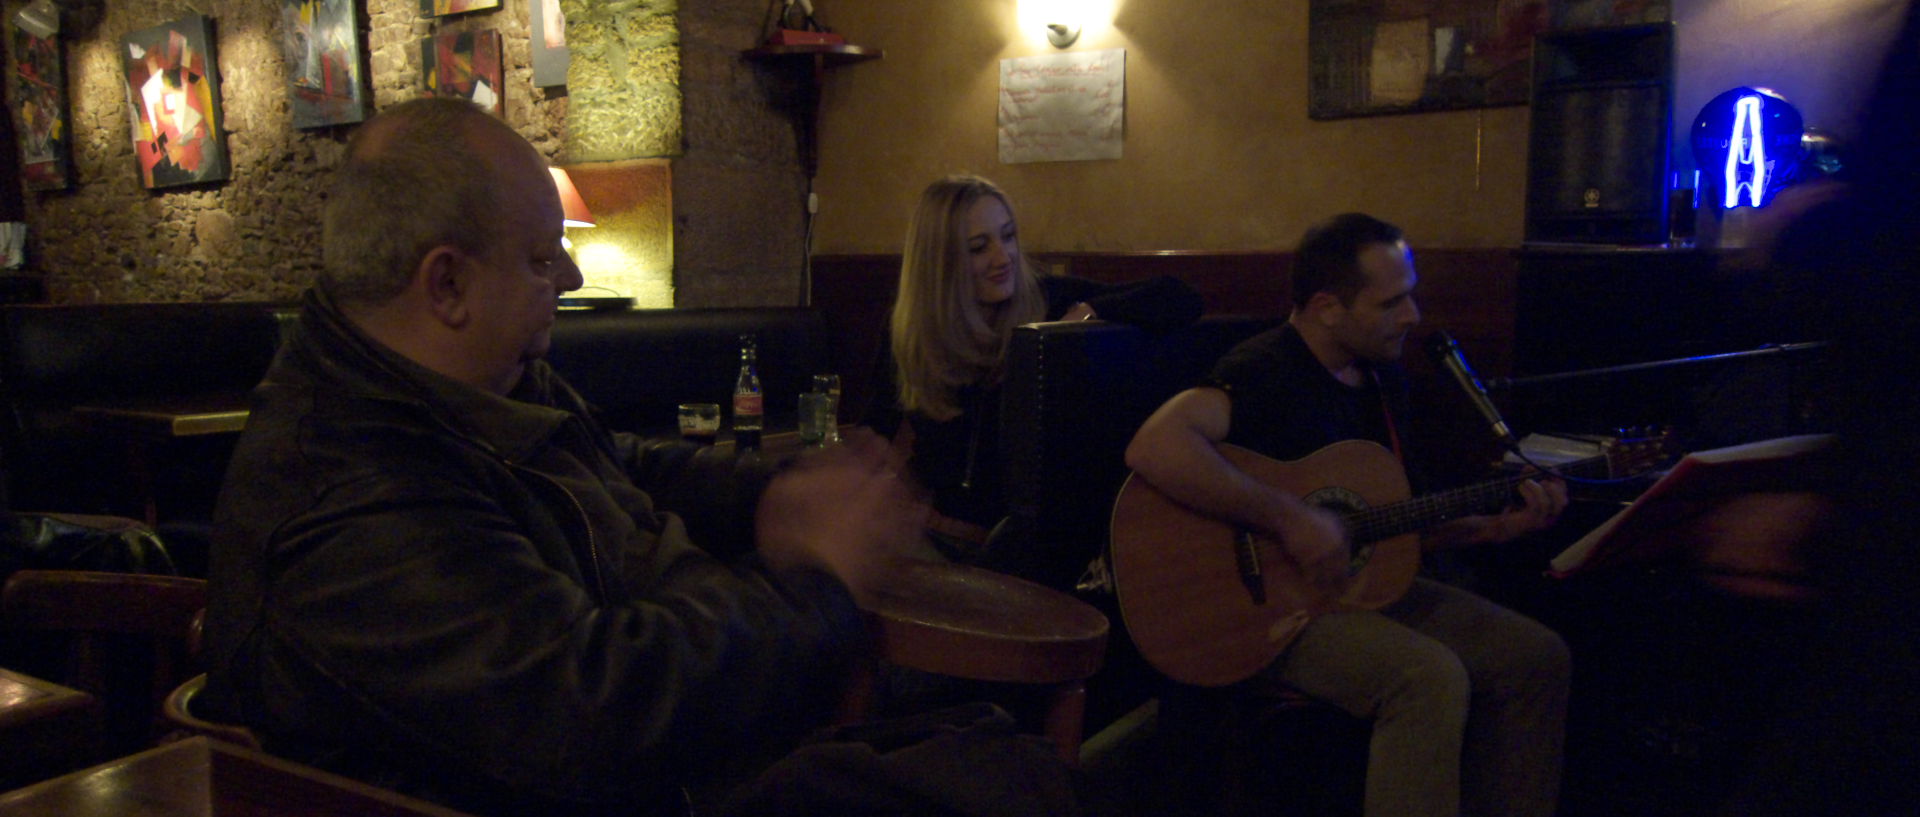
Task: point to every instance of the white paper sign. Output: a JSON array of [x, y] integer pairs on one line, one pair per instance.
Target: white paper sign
[[1062, 107]]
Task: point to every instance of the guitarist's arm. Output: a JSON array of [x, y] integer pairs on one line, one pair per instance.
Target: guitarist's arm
[[1175, 452], [1541, 501]]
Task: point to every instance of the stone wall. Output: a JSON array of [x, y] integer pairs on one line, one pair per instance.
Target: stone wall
[[255, 236], [738, 192]]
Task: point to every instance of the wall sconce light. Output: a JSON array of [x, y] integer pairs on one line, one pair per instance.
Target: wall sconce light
[[574, 212], [39, 18], [1062, 21], [1062, 34]]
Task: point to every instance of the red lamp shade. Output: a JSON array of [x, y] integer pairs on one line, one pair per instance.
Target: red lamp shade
[[574, 209]]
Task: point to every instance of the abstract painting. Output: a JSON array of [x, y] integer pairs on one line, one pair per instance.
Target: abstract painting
[[1367, 57], [323, 62], [464, 64], [550, 56], [39, 91], [173, 87], [442, 8]]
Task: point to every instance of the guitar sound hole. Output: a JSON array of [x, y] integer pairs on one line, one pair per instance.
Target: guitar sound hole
[[1345, 503]]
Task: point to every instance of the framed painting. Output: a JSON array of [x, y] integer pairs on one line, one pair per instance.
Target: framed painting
[[37, 82], [173, 83], [442, 8], [322, 47], [464, 64], [550, 56], [1369, 57]]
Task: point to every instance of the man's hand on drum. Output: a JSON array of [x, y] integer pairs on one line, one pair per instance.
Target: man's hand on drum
[[843, 508]]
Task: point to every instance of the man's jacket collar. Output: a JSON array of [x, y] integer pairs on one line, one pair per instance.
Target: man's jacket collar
[[513, 426]]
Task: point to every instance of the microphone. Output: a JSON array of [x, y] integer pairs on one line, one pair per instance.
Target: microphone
[[1446, 354]]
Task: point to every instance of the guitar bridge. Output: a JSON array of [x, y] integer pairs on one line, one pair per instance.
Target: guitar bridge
[[1247, 559]]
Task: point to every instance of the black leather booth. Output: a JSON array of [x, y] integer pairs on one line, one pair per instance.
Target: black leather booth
[[53, 358], [635, 365]]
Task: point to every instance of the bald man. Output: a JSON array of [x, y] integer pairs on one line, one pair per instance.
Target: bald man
[[434, 571]]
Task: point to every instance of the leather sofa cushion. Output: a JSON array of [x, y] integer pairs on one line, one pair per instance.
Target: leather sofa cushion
[[637, 365]]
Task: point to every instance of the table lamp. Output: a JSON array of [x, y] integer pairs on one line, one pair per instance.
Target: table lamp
[[573, 208]]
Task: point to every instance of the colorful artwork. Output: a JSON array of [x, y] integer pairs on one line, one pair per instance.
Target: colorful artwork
[[442, 8], [323, 62], [550, 57], [173, 84], [39, 92], [464, 64]]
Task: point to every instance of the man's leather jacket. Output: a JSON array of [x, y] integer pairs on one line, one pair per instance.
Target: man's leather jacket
[[484, 600]]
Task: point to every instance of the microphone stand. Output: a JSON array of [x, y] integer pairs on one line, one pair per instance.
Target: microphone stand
[[1768, 350]]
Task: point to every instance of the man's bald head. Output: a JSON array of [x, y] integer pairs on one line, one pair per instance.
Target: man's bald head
[[422, 174]]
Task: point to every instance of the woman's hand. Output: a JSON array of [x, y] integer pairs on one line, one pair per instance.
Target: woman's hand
[[1079, 312]]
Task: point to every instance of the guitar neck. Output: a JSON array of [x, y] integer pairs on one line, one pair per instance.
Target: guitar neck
[[1422, 512]]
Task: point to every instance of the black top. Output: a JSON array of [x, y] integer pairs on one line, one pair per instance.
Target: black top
[[958, 460], [1286, 404]]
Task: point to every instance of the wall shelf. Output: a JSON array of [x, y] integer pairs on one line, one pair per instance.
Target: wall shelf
[[820, 57], [806, 117], [827, 54]]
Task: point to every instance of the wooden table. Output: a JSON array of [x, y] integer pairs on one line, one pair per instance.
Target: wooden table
[[146, 423], [777, 443], [171, 416], [45, 728], [198, 777], [968, 622]]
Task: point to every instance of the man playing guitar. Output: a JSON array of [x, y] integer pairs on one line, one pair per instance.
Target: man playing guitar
[[1467, 699]]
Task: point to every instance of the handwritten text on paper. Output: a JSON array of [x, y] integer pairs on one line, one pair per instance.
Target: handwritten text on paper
[[1062, 107]]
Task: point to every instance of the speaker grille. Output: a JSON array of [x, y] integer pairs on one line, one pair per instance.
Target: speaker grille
[[1598, 138]]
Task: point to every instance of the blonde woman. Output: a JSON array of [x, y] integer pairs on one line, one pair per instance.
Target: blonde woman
[[964, 286]]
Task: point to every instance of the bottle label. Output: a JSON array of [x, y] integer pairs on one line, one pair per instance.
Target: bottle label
[[748, 405]]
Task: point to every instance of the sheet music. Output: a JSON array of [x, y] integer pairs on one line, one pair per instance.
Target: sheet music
[[1702, 474]]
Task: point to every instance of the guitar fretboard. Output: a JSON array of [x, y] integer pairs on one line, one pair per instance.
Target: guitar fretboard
[[1422, 512]]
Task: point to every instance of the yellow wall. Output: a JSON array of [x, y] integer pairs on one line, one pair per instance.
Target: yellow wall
[[1219, 152]]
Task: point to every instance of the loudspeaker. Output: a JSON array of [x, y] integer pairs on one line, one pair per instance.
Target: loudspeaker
[[1597, 147]]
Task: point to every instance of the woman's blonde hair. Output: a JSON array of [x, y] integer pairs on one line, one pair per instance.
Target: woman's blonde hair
[[943, 339]]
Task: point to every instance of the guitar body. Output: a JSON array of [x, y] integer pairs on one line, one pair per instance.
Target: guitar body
[[1193, 609]]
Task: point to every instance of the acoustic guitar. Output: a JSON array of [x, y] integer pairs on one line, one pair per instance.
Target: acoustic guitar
[[1210, 604]]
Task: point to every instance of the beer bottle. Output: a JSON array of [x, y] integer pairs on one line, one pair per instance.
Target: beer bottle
[[749, 405]]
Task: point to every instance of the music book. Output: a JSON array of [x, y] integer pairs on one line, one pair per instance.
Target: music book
[[1696, 483]]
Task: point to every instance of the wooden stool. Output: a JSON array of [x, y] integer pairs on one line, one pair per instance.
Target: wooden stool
[[972, 623]]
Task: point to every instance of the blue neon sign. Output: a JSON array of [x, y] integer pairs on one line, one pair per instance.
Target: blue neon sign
[[1752, 136]]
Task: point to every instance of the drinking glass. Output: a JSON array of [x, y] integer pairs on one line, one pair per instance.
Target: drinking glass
[[700, 422], [815, 418], [829, 385]]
